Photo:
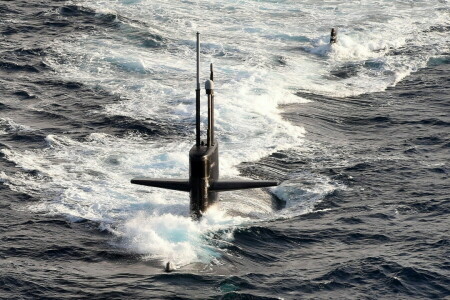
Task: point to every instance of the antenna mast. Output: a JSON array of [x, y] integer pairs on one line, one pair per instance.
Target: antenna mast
[[209, 87], [197, 95]]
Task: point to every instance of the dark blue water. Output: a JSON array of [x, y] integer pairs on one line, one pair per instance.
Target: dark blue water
[[382, 234]]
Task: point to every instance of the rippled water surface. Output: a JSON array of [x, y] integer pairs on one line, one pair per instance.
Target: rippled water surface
[[94, 93]]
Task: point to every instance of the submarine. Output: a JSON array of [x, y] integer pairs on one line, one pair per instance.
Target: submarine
[[203, 183]]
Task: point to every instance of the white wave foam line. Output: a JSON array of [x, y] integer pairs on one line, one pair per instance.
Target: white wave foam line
[[367, 32], [359, 50], [302, 191]]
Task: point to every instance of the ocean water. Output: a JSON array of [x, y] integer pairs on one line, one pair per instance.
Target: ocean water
[[95, 92]]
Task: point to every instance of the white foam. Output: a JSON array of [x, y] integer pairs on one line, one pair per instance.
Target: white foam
[[302, 191], [176, 238], [8, 126]]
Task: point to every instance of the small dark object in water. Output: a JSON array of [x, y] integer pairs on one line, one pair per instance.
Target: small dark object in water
[[169, 267], [333, 36]]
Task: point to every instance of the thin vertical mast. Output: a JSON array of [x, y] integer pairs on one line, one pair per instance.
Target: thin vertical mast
[[208, 134], [197, 95], [209, 87], [212, 105]]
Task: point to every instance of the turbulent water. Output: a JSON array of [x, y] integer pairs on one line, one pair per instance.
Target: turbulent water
[[94, 93]]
